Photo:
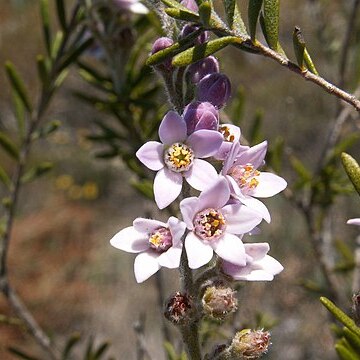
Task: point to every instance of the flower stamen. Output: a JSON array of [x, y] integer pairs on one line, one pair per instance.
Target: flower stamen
[[226, 132], [179, 157], [245, 176], [209, 224], [160, 240]]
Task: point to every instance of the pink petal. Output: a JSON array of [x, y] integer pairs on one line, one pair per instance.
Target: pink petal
[[189, 207], [254, 155], [205, 143], [145, 265], [167, 187], [147, 226], [216, 196], [230, 248], [151, 155], [257, 250], [269, 185], [177, 229], [240, 219], [355, 221], [130, 240], [172, 128], [201, 176], [171, 258], [257, 206], [198, 253], [270, 265]]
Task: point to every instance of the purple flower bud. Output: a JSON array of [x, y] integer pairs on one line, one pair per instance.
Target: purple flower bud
[[214, 88], [161, 44], [200, 115], [202, 68], [189, 29], [190, 4]]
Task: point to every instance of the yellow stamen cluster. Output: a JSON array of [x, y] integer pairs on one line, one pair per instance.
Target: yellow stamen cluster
[[155, 239], [245, 176], [179, 157], [226, 133], [209, 224]]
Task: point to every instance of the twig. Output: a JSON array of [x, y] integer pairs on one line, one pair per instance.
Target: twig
[[141, 349]]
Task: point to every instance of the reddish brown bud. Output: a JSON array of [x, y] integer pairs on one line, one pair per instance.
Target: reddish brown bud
[[179, 309]]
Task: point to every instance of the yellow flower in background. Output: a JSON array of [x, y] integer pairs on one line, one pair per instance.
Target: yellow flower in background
[[63, 182], [90, 190]]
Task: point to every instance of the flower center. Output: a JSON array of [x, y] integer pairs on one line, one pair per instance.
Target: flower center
[[245, 176], [209, 224], [179, 157], [160, 240], [225, 131]]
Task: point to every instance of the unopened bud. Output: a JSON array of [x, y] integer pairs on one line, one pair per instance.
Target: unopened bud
[[179, 309], [161, 44], [201, 68], [250, 344], [200, 115], [190, 4], [214, 88], [356, 308], [189, 29], [218, 302]]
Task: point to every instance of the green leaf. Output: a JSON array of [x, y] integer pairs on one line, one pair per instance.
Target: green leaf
[[42, 69], [276, 154], [254, 8], [46, 130], [344, 353], [181, 14], [170, 351], [37, 171], [19, 114], [74, 53], [4, 178], [299, 47], [205, 9], [175, 4], [340, 315], [72, 341], [255, 135], [234, 18], [304, 174], [101, 350], [61, 13], [22, 355], [352, 169], [17, 84], [144, 187], [56, 45], [201, 51], [271, 22], [238, 104], [352, 339], [9, 146], [309, 63], [44, 11]]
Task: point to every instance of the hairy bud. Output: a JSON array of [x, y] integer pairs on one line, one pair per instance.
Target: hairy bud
[[179, 309], [250, 344], [218, 302], [201, 68], [189, 29], [214, 88], [200, 115]]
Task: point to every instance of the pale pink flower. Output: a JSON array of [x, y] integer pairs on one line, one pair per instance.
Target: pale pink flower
[[245, 180], [213, 224], [177, 156], [158, 244], [259, 266], [133, 6], [355, 221]]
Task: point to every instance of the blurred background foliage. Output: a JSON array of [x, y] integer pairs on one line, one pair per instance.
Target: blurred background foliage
[[60, 259]]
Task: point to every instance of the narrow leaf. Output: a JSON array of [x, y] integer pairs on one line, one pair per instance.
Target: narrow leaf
[[299, 47], [175, 4], [144, 187], [182, 14], [101, 350], [37, 171], [170, 351], [198, 52], [352, 169], [44, 10], [234, 18], [17, 84], [352, 339], [19, 114], [56, 45], [205, 12], [340, 315], [4, 178], [73, 340], [61, 13], [271, 22], [20, 354], [344, 353], [9, 146], [255, 135], [309, 63], [42, 69], [75, 53], [254, 8], [300, 169]]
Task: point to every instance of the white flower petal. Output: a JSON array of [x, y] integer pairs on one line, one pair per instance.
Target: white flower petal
[[171, 258], [167, 187], [355, 221], [145, 265], [269, 185], [257, 206], [269, 264], [216, 196], [177, 229], [172, 128], [189, 207], [257, 251], [198, 253], [202, 175], [130, 240], [230, 248], [151, 155], [147, 226], [138, 8]]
